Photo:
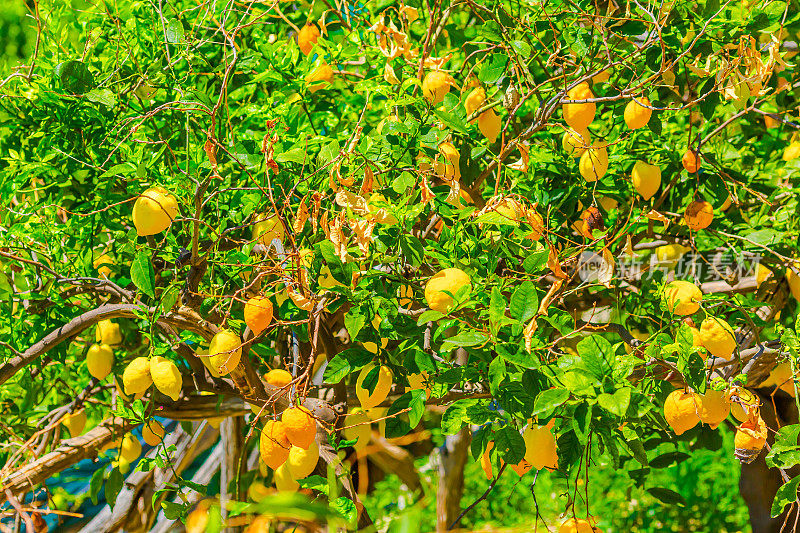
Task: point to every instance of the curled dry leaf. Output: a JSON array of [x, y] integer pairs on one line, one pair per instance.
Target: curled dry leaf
[[300, 217]]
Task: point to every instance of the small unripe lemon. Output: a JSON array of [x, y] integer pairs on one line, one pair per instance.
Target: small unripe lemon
[[579, 116], [669, 254], [382, 386], [99, 360], [717, 337], [153, 432], [302, 462], [274, 445], [637, 115], [682, 297], [130, 448], [680, 411], [166, 377], [267, 228], [575, 143], [300, 426], [154, 211], [691, 161], [360, 429], [436, 85], [646, 179], [278, 377], [75, 422], [540, 447], [699, 215], [108, 332], [136, 376], [490, 124], [307, 37], [225, 352], [594, 163], [450, 280], [258, 313]]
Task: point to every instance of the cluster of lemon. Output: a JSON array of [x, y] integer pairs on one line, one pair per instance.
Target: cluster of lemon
[[288, 447]]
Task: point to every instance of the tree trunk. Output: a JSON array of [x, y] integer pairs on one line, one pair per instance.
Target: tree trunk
[[453, 457]]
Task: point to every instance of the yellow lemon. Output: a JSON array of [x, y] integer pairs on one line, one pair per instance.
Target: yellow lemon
[[540, 447], [699, 215], [274, 445], [107, 332], [490, 124], [717, 337], [283, 479], [360, 429], [154, 211], [278, 377], [136, 376], [474, 100], [682, 297], [637, 114], [450, 280], [267, 228], [680, 411], [225, 352], [300, 426], [75, 422], [382, 386], [258, 313], [669, 254], [101, 264], [420, 382], [166, 377], [99, 360], [319, 77], [791, 152], [579, 115], [307, 37], [575, 143], [436, 85], [712, 407], [153, 432], [594, 163], [646, 179], [130, 448], [302, 462], [447, 164]]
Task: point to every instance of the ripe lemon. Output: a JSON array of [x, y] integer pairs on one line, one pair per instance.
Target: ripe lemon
[[691, 161], [486, 461], [274, 445], [267, 228], [99, 360], [717, 337], [522, 468], [130, 448], [278, 377], [682, 297], [781, 377], [101, 264], [153, 432], [669, 254], [712, 407], [166, 377], [578, 525], [258, 313], [283, 479], [136, 376], [307, 37], [447, 165], [257, 491], [302, 462], [108, 332], [744, 403], [680, 411], [360, 429], [75, 422], [750, 438], [225, 352], [579, 116], [540, 447], [436, 85], [646, 179], [474, 100], [575, 143], [762, 273], [154, 211], [637, 114], [794, 282], [450, 280], [594, 162], [300, 426], [381, 390], [490, 124], [699, 214], [319, 77]]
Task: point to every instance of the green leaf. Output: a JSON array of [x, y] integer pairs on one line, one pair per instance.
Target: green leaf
[[785, 452], [113, 486], [617, 403], [172, 511], [596, 354], [74, 76], [102, 96], [524, 302], [548, 400], [174, 31], [536, 261], [95, 484], [142, 274], [346, 362], [354, 321], [509, 444], [787, 494], [494, 68], [451, 120], [465, 338], [345, 507], [456, 415], [514, 353], [429, 316], [667, 459], [412, 248], [497, 309], [413, 400], [521, 47], [668, 496]]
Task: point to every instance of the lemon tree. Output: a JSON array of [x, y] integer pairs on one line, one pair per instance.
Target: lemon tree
[[255, 256]]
